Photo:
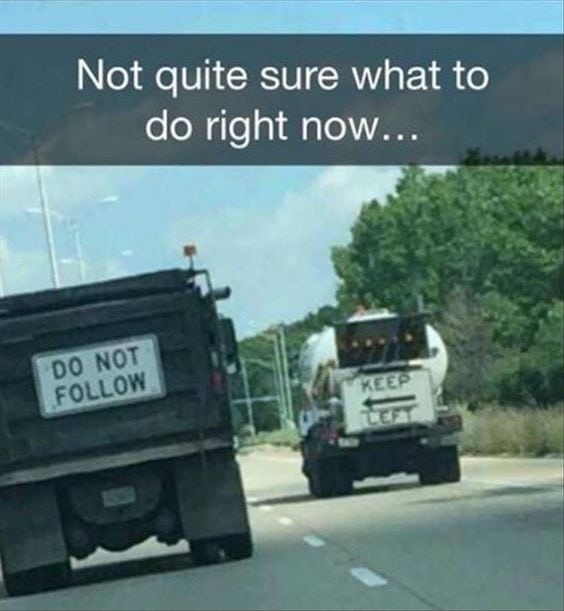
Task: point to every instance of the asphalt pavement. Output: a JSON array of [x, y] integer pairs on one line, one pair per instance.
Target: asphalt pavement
[[493, 541]]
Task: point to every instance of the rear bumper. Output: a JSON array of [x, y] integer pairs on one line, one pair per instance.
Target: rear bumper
[[77, 466], [184, 497], [386, 452], [447, 426], [445, 431]]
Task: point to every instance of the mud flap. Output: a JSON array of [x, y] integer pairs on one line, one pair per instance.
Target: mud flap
[[31, 534], [210, 495]]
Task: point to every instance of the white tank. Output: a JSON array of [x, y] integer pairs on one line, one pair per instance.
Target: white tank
[[320, 350]]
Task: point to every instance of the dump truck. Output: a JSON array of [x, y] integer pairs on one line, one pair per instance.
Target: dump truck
[[375, 408], [115, 424]]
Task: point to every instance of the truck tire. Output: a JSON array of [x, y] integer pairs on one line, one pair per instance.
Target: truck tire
[[343, 479], [329, 477], [36, 580], [205, 552], [238, 547], [439, 466]]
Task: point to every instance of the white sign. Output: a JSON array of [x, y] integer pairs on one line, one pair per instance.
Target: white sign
[[97, 376], [388, 399]]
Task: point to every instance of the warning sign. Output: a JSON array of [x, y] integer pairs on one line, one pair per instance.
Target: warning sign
[[92, 377]]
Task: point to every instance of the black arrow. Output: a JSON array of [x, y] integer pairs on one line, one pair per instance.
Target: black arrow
[[370, 403]]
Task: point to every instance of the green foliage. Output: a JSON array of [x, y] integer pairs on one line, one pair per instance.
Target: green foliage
[[536, 376], [482, 245], [471, 348], [473, 157], [285, 437], [258, 352]]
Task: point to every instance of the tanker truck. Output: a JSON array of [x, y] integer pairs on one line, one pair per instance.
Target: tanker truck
[[374, 403]]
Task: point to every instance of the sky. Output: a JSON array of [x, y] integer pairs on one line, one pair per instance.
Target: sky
[[265, 231]]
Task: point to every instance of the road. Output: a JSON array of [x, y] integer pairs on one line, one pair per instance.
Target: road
[[493, 541]]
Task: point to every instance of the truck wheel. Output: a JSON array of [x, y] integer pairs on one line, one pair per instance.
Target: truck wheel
[[329, 478], [440, 466], [320, 479], [238, 547], [451, 464], [342, 482], [205, 551], [36, 580]]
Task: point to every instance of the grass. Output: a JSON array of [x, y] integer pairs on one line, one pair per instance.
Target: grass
[[284, 437], [497, 430], [493, 430]]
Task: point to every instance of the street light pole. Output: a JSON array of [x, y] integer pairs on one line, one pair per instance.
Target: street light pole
[[279, 375], [276, 385], [286, 374], [78, 251], [46, 215], [32, 139], [248, 401], [74, 227], [1, 274]]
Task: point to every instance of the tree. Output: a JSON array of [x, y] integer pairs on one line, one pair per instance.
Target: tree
[[261, 380], [536, 376], [491, 233], [471, 348]]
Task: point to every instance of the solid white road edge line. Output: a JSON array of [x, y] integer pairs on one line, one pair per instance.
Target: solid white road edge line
[[314, 541], [286, 459], [547, 485], [368, 577]]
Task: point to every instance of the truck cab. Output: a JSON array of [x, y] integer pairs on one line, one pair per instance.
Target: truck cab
[[374, 385]]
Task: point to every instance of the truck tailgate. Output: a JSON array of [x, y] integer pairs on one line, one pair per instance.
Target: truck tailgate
[[32, 431]]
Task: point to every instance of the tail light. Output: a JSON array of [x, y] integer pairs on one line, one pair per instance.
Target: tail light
[[329, 434], [451, 420], [218, 382]]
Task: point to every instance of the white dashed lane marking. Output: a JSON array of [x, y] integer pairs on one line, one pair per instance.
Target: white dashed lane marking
[[362, 574], [368, 577], [314, 541]]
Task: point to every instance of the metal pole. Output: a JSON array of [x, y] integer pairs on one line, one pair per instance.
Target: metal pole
[[263, 399], [1, 271], [247, 392], [46, 216], [78, 251], [420, 303], [282, 404], [286, 373], [1, 276], [275, 383], [279, 399]]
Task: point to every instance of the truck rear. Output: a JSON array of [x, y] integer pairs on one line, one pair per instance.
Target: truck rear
[[374, 383], [115, 425]]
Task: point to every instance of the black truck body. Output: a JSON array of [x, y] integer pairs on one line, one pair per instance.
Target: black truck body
[[115, 424]]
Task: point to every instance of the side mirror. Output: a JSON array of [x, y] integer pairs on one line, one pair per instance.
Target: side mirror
[[230, 346], [221, 293]]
